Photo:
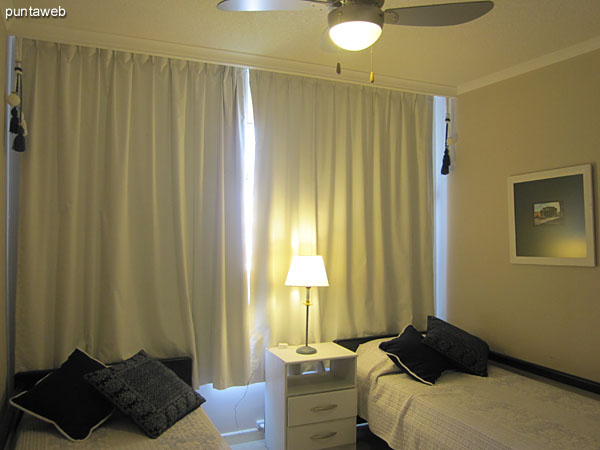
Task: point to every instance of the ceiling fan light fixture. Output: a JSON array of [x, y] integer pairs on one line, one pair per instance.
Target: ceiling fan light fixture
[[355, 26], [356, 35]]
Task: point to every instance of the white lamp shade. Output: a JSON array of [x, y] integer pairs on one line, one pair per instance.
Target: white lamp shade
[[355, 35], [307, 271]]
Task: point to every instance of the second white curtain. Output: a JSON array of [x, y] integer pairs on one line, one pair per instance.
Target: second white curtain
[[343, 171]]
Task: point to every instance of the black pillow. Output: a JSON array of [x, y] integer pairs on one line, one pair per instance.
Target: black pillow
[[419, 361], [467, 352], [151, 394], [65, 400]]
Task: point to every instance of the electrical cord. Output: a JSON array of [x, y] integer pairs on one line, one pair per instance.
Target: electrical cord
[[237, 426]]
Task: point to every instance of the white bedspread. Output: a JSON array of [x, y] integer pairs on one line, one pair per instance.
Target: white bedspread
[[194, 431], [461, 411]]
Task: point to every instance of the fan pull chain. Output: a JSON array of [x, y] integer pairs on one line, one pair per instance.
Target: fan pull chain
[[338, 67], [372, 76]]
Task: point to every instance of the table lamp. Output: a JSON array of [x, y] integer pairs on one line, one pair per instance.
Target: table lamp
[[307, 271]]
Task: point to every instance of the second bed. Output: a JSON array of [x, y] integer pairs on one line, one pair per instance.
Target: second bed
[[505, 410]]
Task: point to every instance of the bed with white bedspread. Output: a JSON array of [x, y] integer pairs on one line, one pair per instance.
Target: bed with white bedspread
[[502, 411], [194, 431], [119, 432]]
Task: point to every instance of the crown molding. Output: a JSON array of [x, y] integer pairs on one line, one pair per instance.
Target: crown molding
[[66, 35], [53, 33], [531, 65]]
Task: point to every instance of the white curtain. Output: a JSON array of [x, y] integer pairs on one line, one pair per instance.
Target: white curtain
[[344, 171], [130, 228]]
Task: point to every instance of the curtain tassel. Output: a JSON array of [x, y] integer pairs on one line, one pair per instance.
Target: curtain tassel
[[19, 142], [17, 121], [446, 159], [446, 163], [14, 121]]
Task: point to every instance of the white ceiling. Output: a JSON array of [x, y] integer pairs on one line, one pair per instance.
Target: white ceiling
[[516, 36]]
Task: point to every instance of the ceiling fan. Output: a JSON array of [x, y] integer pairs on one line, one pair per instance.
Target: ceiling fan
[[357, 24]]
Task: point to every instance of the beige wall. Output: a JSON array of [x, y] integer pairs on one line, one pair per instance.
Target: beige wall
[[3, 353], [545, 119]]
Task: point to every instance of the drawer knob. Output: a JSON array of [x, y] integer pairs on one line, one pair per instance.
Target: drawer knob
[[323, 408], [321, 436]]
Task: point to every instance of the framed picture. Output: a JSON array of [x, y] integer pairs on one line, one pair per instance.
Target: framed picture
[[551, 217]]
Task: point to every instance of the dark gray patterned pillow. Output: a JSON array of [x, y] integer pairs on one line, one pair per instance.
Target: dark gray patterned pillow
[[152, 395], [467, 352]]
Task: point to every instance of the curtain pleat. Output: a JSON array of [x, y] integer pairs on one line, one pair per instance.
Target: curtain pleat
[[343, 171], [130, 227]]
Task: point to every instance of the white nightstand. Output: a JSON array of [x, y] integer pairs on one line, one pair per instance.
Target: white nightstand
[[310, 400]]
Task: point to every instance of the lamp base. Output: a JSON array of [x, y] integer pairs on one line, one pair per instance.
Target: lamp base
[[306, 350]]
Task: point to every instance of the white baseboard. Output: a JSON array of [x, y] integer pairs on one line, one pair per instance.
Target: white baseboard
[[239, 437]]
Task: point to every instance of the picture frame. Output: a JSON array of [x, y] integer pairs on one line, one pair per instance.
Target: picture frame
[[551, 217]]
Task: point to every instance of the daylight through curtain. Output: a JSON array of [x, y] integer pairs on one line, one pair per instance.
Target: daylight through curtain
[[130, 227], [344, 171]]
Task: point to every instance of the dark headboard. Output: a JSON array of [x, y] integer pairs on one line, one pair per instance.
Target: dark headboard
[[353, 343], [182, 366], [526, 366]]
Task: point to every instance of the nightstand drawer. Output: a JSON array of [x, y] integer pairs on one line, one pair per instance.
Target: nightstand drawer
[[305, 409], [322, 435]]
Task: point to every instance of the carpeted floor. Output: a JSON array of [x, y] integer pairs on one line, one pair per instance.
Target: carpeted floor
[[365, 440]]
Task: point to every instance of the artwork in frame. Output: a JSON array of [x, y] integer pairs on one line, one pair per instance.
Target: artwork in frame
[[551, 217]]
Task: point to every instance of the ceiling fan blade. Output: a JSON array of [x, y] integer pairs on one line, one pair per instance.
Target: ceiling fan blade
[[272, 5], [437, 15]]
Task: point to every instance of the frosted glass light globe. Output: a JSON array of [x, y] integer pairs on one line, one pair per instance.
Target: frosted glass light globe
[[355, 35]]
